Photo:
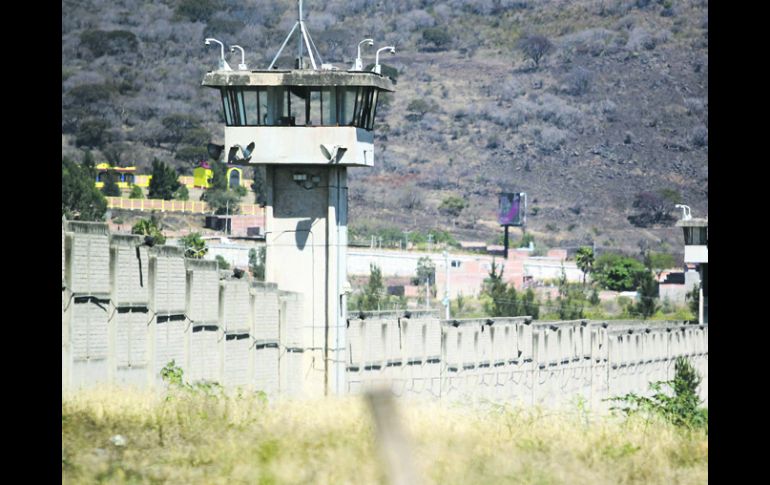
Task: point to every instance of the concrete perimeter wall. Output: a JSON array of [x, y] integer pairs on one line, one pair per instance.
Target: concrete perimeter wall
[[129, 309], [517, 360]]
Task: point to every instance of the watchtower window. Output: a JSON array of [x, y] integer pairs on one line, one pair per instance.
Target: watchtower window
[[300, 106], [696, 236]]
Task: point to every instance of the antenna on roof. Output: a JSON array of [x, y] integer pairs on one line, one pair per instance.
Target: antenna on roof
[[686, 215], [304, 35]]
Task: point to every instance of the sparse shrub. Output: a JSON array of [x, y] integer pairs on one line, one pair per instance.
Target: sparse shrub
[[452, 206], [108, 42], [534, 47], [197, 10], [654, 208], [93, 133], [640, 38], [700, 136], [578, 81], [438, 36], [609, 109]]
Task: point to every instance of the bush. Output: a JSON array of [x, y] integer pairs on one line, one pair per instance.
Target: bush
[[452, 206], [682, 409], [194, 246], [136, 192], [438, 36], [93, 133], [149, 227], [198, 10], [109, 42]]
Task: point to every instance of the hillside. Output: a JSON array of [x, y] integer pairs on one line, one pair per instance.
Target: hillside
[[618, 108]]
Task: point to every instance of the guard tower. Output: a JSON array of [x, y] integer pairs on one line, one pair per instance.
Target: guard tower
[[306, 126], [696, 251]]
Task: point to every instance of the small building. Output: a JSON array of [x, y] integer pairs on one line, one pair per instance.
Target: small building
[[124, 176], [202, 175], [696, 251]]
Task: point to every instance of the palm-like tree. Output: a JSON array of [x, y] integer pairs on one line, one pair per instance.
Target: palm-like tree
[[585, 261]]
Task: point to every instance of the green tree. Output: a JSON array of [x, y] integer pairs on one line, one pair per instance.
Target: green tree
[[110, 187], [374, 291], [648, 295], [658, 262], [426, 271], [93, 133], [149, 227], [257, 263], [164, 181], [194, 246], [529, 304], [503, 300], [452, 206], [223, 201], [617, 273], [136, 192], [585, 260], [80, 199]]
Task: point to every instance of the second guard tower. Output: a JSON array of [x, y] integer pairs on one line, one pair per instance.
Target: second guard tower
[[306, 125]]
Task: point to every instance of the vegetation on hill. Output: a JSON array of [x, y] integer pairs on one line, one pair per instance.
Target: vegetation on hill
[[598, 110]]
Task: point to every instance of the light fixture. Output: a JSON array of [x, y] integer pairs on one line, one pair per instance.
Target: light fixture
[[377, 67], [242, 66], [299, 177], [223, 65], [359, 64]]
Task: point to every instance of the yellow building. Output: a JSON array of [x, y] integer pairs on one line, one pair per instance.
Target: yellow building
[[125, 176], [202, 175]]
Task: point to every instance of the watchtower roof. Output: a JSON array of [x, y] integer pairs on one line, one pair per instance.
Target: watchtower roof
[[297, 77]]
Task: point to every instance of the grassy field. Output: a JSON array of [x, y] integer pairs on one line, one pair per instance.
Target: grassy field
[[199, 439]]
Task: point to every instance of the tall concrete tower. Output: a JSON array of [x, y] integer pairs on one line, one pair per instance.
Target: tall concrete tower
[[306, 126]]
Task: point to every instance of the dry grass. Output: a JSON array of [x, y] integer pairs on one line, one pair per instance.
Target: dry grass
[[240, 439]]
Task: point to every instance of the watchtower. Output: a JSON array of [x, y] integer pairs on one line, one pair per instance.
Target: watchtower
[[696, 251], [306, 125]]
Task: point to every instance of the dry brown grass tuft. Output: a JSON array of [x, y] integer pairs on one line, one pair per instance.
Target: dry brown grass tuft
[[241, 439]]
